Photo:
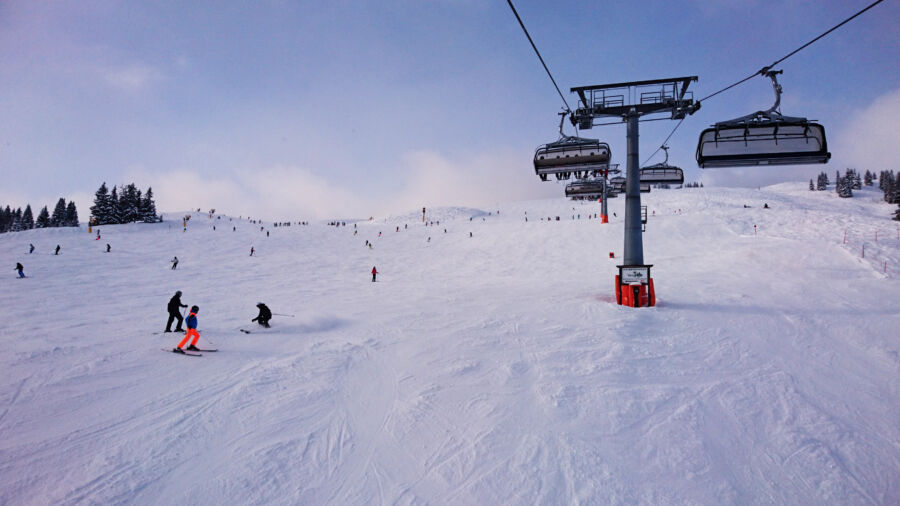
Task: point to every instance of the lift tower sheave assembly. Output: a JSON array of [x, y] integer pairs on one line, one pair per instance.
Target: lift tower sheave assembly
[[632, 101]]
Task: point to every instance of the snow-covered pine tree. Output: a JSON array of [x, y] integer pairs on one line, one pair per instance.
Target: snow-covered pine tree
[[58, 218], [811, 187], [148, 208], [17, 220], [886, 183], [43, 219], [115, 208], [895, 192], [857, 181], [845, 186], [136, 205], [820, 181], [71, 215], [5, 219], [825, 178], [897, 213], [101, 210], [27, 218], [129, 202], [867, 179]]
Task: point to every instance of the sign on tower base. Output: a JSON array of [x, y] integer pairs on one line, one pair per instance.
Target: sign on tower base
[[634, 286]]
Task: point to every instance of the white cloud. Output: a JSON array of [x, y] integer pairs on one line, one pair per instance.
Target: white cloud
[[275, 193], [475, 180], [133, 77], [871, 139], [285, 192]]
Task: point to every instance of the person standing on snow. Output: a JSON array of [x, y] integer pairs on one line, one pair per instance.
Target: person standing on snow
[[57, 250], [108, 247], [20, 269], [175, 306], [191, 332], [264, 315], [175, 264], [374, 273], [251, 250], [30, 248]]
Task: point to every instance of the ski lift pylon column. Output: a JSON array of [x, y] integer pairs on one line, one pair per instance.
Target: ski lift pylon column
[[630, 102]]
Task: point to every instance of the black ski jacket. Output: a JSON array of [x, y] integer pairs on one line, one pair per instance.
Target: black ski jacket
[[264, 313], [175, 304]]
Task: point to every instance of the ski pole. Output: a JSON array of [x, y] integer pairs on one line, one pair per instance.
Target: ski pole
[[279, 314]]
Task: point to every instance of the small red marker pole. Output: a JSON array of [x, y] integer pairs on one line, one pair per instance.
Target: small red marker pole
[[845, 237], [754, 229]]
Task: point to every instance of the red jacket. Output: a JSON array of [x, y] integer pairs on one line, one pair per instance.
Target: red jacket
[[374, 271]]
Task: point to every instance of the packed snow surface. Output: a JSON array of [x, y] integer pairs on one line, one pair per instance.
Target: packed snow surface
[[491, 369]]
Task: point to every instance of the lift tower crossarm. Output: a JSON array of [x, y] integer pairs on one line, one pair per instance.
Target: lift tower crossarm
[[621, 99]]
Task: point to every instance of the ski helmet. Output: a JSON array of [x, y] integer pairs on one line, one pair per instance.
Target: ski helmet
[[178, 292], [194, 309]]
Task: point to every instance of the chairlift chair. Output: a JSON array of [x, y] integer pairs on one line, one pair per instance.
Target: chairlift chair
[[571, 155], [586, 189], [617, 184], [763, 138], [662, 173]]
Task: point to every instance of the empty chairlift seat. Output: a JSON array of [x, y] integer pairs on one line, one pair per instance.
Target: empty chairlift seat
[[571, 155], [617, 184], [588, 189], [763, 138], [763, 141], [662, 173]]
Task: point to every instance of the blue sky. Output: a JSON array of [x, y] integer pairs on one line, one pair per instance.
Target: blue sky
[[293, 110]]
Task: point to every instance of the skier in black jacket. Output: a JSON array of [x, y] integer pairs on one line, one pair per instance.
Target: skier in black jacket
[[175, 306], [264, 315]]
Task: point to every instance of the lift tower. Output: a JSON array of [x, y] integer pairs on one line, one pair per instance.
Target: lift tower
[[632, 101]]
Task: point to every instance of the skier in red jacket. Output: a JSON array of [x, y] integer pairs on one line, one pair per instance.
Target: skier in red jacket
[[374, 272]]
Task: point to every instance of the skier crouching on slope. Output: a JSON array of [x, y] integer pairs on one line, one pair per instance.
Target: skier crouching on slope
[[191, 332], [174, 307], [264, 315]]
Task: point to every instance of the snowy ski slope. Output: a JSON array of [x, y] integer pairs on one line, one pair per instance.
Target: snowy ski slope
[[495, 369]]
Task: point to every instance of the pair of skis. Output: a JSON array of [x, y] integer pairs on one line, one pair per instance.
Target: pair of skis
[[189, 353]]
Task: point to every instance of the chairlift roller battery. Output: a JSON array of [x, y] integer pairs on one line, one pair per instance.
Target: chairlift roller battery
[[763, 138], [662, 173]]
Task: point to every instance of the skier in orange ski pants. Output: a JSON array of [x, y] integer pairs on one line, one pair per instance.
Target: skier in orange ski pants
[[191, 332]]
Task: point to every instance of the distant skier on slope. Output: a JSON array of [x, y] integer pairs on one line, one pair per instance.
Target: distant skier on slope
[[20, 269], [174, 263], [174, 308], [251, 250], [374, 273], [30, 248], [191, 332], [108, 247], [264, 315], [57, 250]]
